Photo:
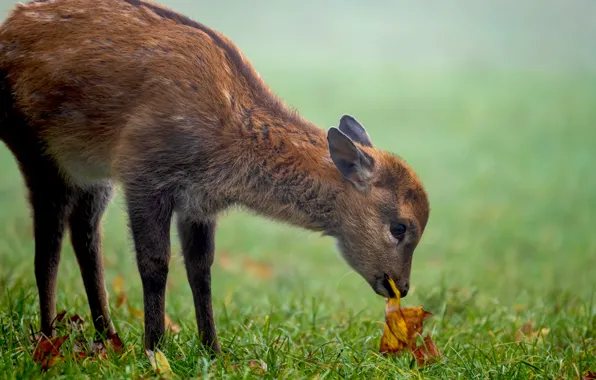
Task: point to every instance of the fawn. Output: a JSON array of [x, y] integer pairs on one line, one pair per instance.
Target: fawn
[[102, 92]]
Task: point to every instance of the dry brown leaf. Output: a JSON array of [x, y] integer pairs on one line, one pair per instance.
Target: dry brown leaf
[[258, 269], [60, 316], [99, 349], [47, 351], [118, 287], [589, 375], [118, 284], [135, 312], [427, 352], [73, 321], [173, 327], [527, 333], [226, 262], [253, 267], [116, 343], [120, 299]]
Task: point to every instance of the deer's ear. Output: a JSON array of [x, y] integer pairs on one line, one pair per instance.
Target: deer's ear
[[354, 130], [354, 165]]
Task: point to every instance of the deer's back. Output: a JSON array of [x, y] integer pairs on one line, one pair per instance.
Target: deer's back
[[92, 77]]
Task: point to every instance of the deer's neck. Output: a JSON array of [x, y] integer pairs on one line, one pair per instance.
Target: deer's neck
[[290, 175]]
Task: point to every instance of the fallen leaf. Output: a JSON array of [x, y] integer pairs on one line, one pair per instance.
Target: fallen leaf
[[98, 347], [75, 320], [226, 262], [259, 367], [118, 284], [589, 375], [121, 299], [47, 351], [527, 333], [258, 269], [253, 267], [159, 362], [79, 350], [427, 352], [402, 325], [135, 312], [60, 316], [118, 287], [173, 327], [116, 343]]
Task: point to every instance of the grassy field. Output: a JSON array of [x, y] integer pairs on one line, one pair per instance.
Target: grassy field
[[507, 154]]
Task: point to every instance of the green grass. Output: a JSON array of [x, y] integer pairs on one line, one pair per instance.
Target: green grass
[[507, 156]]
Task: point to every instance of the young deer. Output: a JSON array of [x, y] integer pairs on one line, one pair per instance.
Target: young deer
[[98, 92]]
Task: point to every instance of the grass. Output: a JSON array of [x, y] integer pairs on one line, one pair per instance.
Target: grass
[[507, 157]]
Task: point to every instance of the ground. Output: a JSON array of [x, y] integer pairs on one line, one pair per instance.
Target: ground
[[506, 153]]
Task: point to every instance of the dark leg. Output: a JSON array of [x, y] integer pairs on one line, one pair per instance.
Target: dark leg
[[50, 200], [150, 218], [85, 231], [198, 246], [50, 210]]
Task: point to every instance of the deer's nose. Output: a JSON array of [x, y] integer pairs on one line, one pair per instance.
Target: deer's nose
[[404, 288]]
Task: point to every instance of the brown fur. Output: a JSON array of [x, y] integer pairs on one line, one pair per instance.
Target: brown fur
[[102, 91]]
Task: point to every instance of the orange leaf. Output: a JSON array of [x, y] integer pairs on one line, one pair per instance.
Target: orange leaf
[[258, 269], [527, 333], [120, 299], [118, 286], [47, 351], [402, 325], [226, 262], [135, 312], [171, 325], [427, 352]]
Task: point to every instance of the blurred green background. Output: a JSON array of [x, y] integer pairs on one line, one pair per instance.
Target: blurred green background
[[492, 103]]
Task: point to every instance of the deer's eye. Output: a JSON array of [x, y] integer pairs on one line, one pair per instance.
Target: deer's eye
[[398, 230]]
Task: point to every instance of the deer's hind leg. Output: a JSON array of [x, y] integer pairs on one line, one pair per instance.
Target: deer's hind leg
[[50, 197], [51, 202], [85, 232]]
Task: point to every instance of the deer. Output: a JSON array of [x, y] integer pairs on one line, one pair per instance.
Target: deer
[[100, 94]]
